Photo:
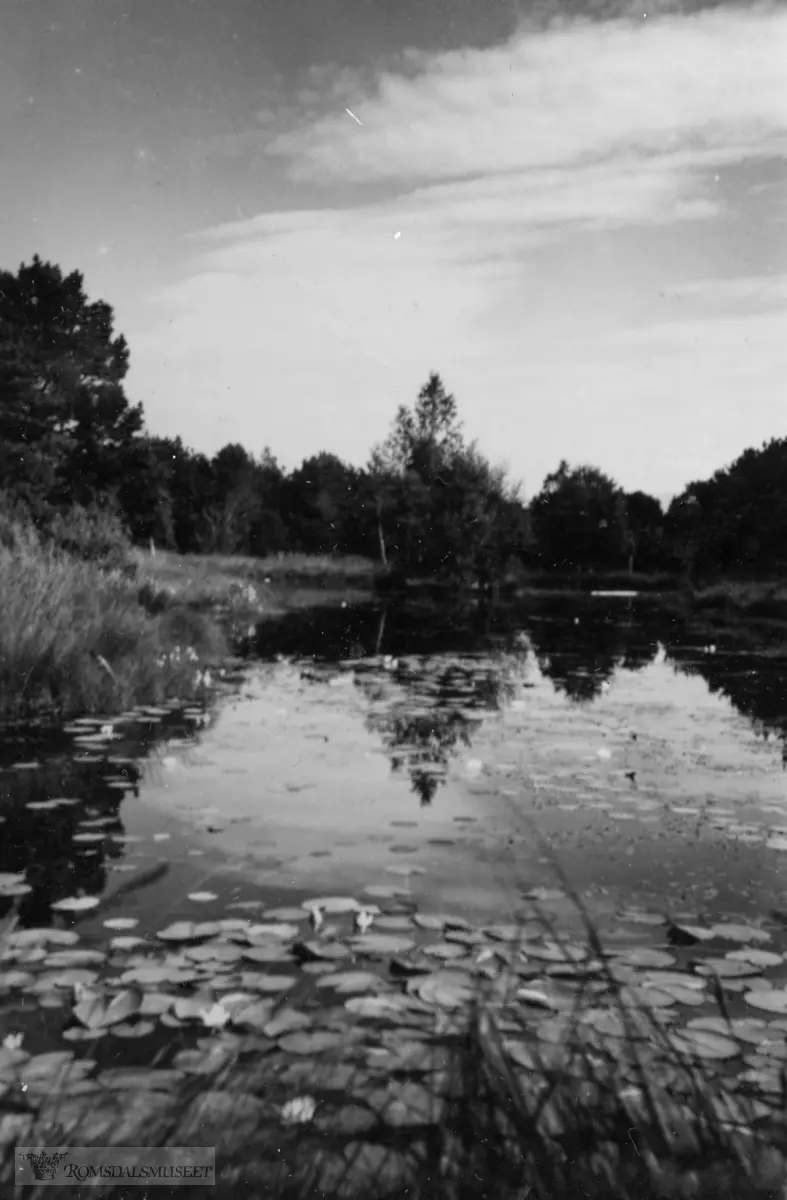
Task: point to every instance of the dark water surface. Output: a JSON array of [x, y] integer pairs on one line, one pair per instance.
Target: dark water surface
[[432, 756]]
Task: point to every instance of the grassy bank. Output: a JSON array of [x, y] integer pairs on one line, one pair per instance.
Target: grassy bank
[[765, 598], [76, 637], [259, 586]]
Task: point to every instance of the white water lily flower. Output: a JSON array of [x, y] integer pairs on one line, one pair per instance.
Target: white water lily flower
[[107, 730], [363, 920], [315, 916], [215, 1017], [13, 1041], [299, 1111]]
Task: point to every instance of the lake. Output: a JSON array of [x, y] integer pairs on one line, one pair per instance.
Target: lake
[[442, 772]]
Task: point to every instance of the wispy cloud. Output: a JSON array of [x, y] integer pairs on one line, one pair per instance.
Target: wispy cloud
[[711, 81], [540, 190]]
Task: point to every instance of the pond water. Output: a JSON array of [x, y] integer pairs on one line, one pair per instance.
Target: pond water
[[403, 759]]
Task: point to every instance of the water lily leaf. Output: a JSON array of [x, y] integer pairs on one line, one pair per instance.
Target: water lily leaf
[[777, 842], [140, 1079], [641, 917], [153, 975], [73, 958], [445, 950], [700, 1043], [281, 930], [746, 1029], [404, 1104], [687, 935], [445, 989], [683, 979], [725, 968], [153, 1004], [645, 957], [80, 1033], [10, 879], [320, 950], [682, 995], [287, 1020], [126, 943], [381, 943], [333, 905], [70, 978], [757, 958], [285, 914], [310, 1043], [394, 924], [645, 997], [266, 954], [190, 1008], [75, 904], [274, 983], [122, 1006], [391, 1007], [121, 923], [741, 933], [773, 1001], [207, 1061], [256, 1015], [137, 1029], [181, 931], [202, 897], [219, 952], [349, 983], [42, 937]]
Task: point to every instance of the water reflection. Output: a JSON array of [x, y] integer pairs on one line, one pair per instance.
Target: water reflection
[[428, 675], [60, 809]]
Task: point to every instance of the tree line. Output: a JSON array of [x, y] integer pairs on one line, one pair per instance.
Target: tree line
[[426, 503]]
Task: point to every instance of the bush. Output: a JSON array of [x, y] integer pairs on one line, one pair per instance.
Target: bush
[[94, 534]]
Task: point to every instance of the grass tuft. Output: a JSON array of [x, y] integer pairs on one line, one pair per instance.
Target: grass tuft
[[75, 638]]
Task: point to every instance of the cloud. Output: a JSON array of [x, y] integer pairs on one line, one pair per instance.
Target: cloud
[[712, 81], [542, 190], [743, 290]]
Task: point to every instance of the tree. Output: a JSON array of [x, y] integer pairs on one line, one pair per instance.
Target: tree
[[644, 527], [579, 519], [65, 421]]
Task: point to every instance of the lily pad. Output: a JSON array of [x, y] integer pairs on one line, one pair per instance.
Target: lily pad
[[181, 931], [700, 1043], [310, 1043], [725, 968], [741, 933], [381, 943], [202, 897], [645, 957], [333, 905], [121, 923], [75, 904], [42, 937], [774, 1001], [350, 983], [137, 1029], [445, 989]]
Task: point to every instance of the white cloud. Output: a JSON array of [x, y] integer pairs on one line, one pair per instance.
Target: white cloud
[[714, 80], [512, 173]]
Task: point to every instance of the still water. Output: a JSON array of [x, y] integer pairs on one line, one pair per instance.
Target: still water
[[453, 761]]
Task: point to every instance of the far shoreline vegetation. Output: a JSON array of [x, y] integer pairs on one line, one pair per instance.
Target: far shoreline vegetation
[[118, 549]]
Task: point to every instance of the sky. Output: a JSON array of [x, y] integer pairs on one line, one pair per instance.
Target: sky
[[574, 212]]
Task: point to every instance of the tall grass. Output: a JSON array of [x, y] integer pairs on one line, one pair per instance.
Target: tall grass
[[75, 636]]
